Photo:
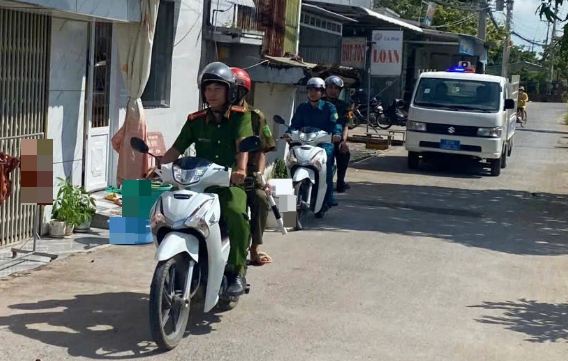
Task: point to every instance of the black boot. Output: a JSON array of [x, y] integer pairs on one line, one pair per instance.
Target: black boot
[[235, 285]]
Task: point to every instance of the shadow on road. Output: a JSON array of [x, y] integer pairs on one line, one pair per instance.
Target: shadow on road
[[542, 322], [442, 166], [546, 131], [106, 326], [506, 221]]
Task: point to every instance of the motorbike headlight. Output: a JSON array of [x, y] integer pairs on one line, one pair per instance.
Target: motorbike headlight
[[415, 126], [291, 158], [187, 176], [490, 132]]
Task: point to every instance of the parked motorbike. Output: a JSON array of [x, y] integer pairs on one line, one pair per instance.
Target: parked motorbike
[[308, 166], [359, 108], [394, 115], [378, 118], [192, 244]]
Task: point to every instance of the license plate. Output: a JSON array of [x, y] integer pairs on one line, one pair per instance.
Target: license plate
[[450, 144]]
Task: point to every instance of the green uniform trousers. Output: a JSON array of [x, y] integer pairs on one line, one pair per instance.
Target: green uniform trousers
[[258, 203], [233, 201]]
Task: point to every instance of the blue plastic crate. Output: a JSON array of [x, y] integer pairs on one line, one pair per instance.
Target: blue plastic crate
[[129, 230], [130, 238]]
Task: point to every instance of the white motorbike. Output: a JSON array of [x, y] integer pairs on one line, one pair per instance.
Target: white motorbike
[[307, 164], [192, 244]]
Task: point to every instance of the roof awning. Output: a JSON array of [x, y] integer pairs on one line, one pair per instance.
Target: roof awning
[[328, 14], [391, 20], [365, 16]]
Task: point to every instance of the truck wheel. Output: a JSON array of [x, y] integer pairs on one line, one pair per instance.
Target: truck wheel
[[413, 160], [504, 157], [510, 148], [495, 166]]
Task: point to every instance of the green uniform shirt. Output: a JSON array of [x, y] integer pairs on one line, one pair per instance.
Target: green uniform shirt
[[214, 141], [261, 129]]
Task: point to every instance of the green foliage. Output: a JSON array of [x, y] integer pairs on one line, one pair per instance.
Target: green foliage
[[279, 170], [73, 205]]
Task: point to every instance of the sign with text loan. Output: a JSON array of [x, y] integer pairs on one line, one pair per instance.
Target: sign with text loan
[[353, 52], [386, 56]]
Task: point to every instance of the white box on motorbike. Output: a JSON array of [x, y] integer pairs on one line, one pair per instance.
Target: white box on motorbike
[[281, 186]]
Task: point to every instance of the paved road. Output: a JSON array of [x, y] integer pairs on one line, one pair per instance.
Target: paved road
[[430, 265]]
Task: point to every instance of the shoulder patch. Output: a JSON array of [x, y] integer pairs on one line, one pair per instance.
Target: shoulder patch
[[196, 115], [238, 109]]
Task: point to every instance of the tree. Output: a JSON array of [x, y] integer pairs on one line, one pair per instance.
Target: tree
[[455, 19]]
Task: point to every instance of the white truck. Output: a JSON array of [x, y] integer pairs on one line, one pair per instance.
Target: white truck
[[464, 114]]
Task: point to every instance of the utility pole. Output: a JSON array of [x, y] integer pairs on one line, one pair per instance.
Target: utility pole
[[482, 25], [552, 44], [506, 46]]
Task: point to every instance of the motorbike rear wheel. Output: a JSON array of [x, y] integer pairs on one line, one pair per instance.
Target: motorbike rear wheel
[[384, 122], [168, 312]]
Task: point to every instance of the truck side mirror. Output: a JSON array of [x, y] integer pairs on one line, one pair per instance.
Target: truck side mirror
[[509, 104]]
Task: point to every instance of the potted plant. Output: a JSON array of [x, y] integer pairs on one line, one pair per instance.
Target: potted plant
[[86, 209], [66, 208], [279, 170]]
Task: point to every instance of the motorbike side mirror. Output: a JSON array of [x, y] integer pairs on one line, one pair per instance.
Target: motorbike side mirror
[[509, 104], [279, 120], [250, 144], [139, 145]]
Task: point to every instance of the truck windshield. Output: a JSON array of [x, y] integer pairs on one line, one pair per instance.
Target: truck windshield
[[452, 94]]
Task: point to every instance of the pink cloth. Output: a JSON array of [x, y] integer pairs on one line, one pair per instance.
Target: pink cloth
[[131, 164]]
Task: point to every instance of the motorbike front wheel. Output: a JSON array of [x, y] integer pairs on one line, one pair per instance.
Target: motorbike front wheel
[[301, 190], [169, 313]]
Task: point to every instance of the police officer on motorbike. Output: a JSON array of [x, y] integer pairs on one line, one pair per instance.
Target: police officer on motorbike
[[321, 114], [216, 133], [256, 196]]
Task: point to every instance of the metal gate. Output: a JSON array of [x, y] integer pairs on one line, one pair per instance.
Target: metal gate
[[24, 59]]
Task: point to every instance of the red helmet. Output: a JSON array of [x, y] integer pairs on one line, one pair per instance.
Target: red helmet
[[242, 78]]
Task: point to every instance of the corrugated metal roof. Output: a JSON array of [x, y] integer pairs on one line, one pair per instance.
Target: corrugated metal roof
[[281, 60], [327, 13], [391, 20], [364, 15]]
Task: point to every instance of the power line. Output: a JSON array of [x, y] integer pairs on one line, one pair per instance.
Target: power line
[[527, 40]]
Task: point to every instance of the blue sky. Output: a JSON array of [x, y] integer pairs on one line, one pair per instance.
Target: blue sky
[[527, 23]]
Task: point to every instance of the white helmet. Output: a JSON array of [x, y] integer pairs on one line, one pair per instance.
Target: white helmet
[[316, 83], [334, 80]]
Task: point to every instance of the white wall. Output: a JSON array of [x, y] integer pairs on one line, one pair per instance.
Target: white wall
[[185, 69], [276, 99], [67, 82]]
